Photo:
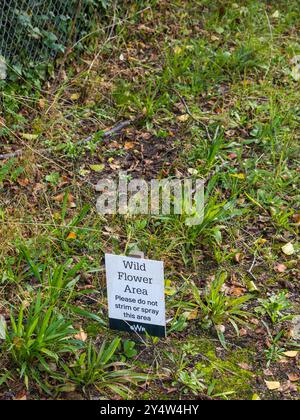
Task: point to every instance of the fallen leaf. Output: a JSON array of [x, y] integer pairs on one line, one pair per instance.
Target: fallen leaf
[[42, 103], [84, 172], [75, 96], [178, 50], [21, 396], [28, 136], [23, 182], [232, 156], [261, 241], [192, 315], [272, 386], [72, 235], [293, 377], [276, 14], [237, 291], [252, 287], [288, 249], [221, 328], [183, 118], [280, 268], [288, 387], [243, 332], [295, 332], [60, 198], [291, 354], [192, 171], [115, 166], [238, 257], [171, 390], [296, 217], [169, 290], [245, 366], [81, 336], [129, 145], [97, 168], [238, 176], [68, 388]]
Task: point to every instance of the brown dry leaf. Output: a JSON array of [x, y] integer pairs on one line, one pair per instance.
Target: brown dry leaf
[[183, 118], [296, 218], [273, 385], [245, 366], [146, 29], [129, 145], [21, 396], [38, 187], [237, 291], [60, 198], [115, 166], [293, 377], [280, 268], [81, 336], [193, 315], [145, 136], [23, 182], [243, 332], [171, 390], [291, 354], [42, 103]]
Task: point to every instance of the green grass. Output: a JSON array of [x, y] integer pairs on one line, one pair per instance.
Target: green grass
[[215, 80]]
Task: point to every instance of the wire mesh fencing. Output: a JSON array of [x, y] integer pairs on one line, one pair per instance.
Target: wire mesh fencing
[[34, 31]]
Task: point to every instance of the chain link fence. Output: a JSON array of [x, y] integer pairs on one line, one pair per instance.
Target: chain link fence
[[34, 31]]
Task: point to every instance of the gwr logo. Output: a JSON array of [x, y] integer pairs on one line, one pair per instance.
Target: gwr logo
[[137, 328]]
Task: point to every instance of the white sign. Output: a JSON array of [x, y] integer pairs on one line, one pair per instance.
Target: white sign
[[136, 295]]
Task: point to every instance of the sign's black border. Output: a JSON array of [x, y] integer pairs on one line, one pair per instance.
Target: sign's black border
[[137, 327]]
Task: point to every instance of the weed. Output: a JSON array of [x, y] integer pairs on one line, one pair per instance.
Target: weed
[[190, 381], [275, 307], [39, 334], [275, 350], [100, 368], [217, 308]]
